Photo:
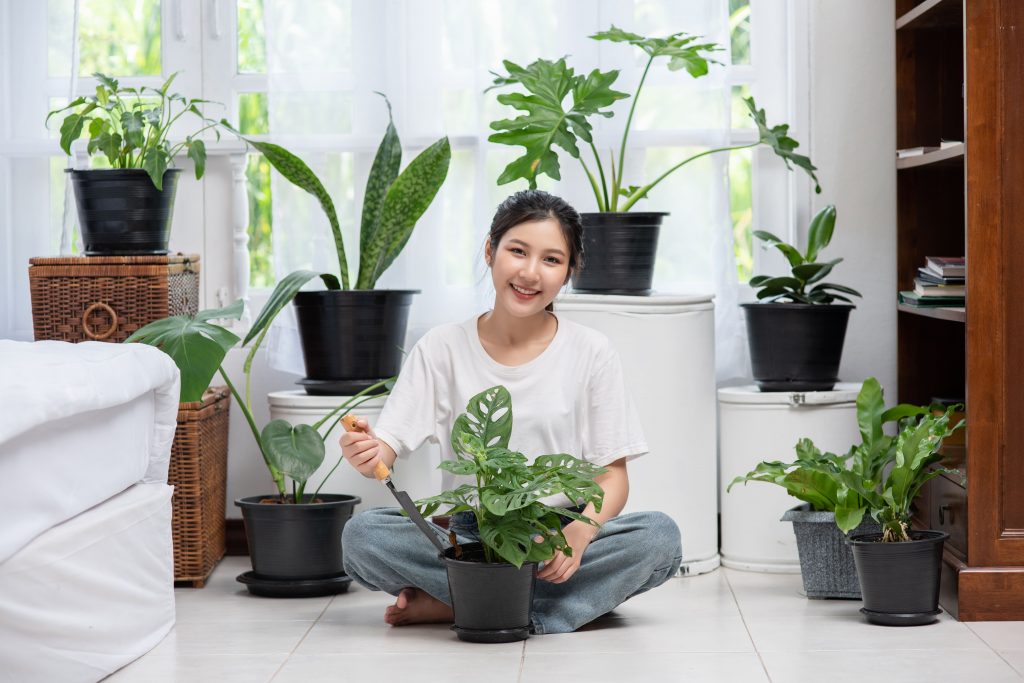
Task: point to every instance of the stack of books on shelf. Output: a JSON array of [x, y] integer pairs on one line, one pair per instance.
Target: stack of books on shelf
[[942, 282]]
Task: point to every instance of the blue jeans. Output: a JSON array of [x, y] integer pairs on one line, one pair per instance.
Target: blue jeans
[[630, 554]]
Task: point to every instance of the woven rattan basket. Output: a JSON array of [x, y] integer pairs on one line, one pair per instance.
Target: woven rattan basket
[[198, 473], [106, 298]]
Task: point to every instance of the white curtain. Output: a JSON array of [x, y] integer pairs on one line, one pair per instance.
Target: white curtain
[[325, 59]]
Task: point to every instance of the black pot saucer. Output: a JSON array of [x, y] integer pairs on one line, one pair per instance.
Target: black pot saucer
[[290, 588], [337, 387], [498, 635], [886, 619]]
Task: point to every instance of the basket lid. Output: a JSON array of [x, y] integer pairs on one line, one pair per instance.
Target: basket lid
[[149, 260]]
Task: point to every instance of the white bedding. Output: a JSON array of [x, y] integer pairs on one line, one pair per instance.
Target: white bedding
[[79, 423], [92, 594]]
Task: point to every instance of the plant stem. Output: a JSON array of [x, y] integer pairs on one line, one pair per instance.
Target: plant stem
[[642, 192], [600, 170], [278, 479], [593, 185], [625, 134]]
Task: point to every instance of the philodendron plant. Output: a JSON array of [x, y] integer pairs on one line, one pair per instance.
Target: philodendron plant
[[198, 347], [804, 284], [392, 203], [515, 525], [881, 475], [129, 126], [549, 120], [824, 479]]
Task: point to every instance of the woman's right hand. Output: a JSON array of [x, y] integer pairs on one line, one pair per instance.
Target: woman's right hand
[[361, 448]]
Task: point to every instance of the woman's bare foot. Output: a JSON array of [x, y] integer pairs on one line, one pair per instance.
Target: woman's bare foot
[[414, 606]]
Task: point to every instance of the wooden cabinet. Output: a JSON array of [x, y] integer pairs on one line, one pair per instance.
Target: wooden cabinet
[[960, 77]]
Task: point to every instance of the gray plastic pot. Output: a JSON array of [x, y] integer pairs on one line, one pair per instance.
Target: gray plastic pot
[[826, 561]]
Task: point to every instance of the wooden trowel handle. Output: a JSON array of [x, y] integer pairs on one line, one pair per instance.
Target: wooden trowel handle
[[380, 470]]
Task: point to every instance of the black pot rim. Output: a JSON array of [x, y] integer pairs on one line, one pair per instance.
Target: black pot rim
[[793, 305], [485, 565], [338, 499], [354, 293], [116, 171], [625, 213], [930, 536]]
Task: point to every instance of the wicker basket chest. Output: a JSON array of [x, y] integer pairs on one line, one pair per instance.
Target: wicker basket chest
[[198, 472], [107, 298]]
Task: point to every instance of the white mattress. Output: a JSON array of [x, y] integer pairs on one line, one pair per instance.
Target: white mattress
[[92, 594], [79, 423]]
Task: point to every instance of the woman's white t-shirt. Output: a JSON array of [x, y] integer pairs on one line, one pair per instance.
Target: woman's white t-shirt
[[570, 399]]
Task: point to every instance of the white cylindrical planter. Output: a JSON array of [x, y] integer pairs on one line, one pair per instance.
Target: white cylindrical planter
[[667, 345], [415, 473], [756, 426]]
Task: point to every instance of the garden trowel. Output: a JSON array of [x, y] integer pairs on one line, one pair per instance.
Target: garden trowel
[[382, 473]]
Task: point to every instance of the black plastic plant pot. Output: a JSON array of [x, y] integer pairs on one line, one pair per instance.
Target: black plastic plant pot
[[351, 339], [796, 347], [120, 211], [491, 601], [618, 253], [899, 582], [290, 542]]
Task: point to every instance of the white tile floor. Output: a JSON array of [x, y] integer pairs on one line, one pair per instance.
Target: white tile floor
[[723, 626]]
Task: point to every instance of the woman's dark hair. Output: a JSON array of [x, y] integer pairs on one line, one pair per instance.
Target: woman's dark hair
[[537, 205]]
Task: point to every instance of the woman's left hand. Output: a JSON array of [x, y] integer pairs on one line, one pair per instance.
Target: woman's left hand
[[560, 568]]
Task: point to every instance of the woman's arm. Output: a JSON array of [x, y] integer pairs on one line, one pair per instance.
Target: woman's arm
[[615, 483]]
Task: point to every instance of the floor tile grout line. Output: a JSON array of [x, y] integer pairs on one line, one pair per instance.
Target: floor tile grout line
[[303, 638], [522, 664], [745, 627], [1019, 672]]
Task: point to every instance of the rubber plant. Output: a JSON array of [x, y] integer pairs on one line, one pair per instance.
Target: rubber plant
[[392, 204], [834, 483], [198, 346], [515, 525], [129, 126], [805, 269], [559, 104]]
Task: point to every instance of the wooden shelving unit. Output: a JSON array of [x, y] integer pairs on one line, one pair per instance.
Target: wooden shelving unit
[[959, 66]]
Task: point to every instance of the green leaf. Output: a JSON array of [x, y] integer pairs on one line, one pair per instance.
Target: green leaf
[[791, 253], [678, 47], [546, 123], [462, 466], [405, 202], [838, 288], [382, 174], [819, 234], [155, 163], [71, 130], [197, 153], [490, 417], [295, 171], [133, 123], [778, 139], [295, 451], [809, 273], [849, 518], [197, 347], [282, 295]]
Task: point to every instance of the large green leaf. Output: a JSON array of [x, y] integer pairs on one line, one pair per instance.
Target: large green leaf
[[546, 122], [680, 48], [155, 163], [294, 450], [777, 137], [196, 346], [383, 172], [791, 253], [299, 174], [489, 417], [819, 234], [405, 202]]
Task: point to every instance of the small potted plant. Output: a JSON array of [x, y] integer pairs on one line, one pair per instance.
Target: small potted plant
[[127, 208], [826, 561], [352, 334], [620, 245], [797, 327], [900, 568], [294, 537], [491, 582]]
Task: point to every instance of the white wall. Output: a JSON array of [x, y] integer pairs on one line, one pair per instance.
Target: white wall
[[850, 86]]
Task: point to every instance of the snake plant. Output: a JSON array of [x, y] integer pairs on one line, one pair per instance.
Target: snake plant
[[559, 102], [392, 203]]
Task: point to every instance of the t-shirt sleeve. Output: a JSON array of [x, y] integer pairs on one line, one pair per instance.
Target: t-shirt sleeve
[[408, 416], [612, 427]]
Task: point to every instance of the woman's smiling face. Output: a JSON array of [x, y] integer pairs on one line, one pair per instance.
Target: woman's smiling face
[[529, 267]]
